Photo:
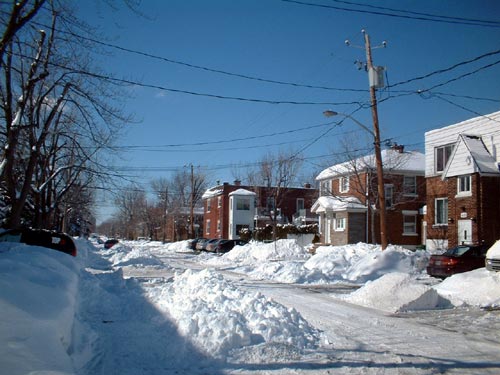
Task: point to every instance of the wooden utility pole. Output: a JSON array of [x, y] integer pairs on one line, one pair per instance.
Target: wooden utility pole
[[191, 211], [378, 152]]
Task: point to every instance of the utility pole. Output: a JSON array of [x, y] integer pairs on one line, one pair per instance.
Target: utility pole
[[191, 211], [376, 135]]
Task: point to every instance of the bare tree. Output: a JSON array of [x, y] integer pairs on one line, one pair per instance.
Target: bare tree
[[277, 173], [55, 114]]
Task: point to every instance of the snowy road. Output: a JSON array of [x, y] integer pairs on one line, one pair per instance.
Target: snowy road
[[361, 340]]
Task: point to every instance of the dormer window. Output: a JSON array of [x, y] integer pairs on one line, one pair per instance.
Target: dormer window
[[441, 156]]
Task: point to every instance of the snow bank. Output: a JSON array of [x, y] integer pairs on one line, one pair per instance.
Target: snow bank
[[395, 292], [260, 252], [123, 255], [218, 317], [38, 288], [475, 288]]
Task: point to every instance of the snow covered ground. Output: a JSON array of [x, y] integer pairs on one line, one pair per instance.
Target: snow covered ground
[[153, 308]]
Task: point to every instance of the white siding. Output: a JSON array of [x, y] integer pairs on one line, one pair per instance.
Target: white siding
[[487, 127], [462, 162]]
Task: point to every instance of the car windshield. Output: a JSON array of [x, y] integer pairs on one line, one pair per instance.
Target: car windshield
[[457, 251]]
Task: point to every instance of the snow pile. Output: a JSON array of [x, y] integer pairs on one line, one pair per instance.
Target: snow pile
[[220, 318], [376, 263], [123, 255], [395, 292], [256, 252], [476, 288], [38, 289]]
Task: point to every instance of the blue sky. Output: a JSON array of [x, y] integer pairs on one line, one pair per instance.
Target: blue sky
[[289, 42]]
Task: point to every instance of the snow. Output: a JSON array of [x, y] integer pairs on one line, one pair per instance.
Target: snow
[[153, 308]]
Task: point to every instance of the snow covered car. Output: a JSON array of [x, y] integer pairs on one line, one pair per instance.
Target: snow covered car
[[459, 259], [223, 246], [493, 257], [192, 243], [41, 237], [110, 243]]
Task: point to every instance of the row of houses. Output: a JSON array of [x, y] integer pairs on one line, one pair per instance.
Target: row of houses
[[450, 195]]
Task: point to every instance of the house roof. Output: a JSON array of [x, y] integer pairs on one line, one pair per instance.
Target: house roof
[[392, 160], [329, 203], [213, 192], [470, 155], [242, 192]]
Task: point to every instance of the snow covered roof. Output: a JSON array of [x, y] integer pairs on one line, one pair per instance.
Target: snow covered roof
[[392, 160], [213, 192], [242, 192], [470, 155], [329, 203]]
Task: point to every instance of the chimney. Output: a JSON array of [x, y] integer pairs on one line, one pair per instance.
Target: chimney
[[398, 148], [237, 182], [307, 185]]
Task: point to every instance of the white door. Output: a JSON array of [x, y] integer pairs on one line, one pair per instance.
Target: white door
[[464, 232], [328, 227]]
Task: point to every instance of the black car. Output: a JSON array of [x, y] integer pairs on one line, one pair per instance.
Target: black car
[[41, 237], [223, 246]]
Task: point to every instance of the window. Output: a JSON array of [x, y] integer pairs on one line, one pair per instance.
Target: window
[[219, 202], [243, 204], [389, 195], [218, 225], [324, 187], [464, 185], [441, 211], [207, 227], [442, 155], [209, 204], [340, 224], [344, 184], [410, 185], [300, 204], [270, 204], [409, 223]]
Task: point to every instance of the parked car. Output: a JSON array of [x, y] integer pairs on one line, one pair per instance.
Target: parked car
[[110, 243], [200, 245], [209, 245], [459, 259], [41, 237], [192, 243], [493, 257], [223, 246]]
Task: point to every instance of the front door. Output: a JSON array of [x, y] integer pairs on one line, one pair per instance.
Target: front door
[[328, 227], [464, 232]]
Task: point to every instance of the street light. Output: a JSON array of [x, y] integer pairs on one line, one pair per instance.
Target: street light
[[380, 172]]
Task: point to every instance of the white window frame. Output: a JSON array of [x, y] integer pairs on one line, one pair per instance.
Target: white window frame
[[389, 195], [209, 204], [410, 225], [344, 184], [219, 202], [242, 204], [218, 226], [300, 204], [339, 224], [464, 186], [410, 189], [324, 188], [440, 161], [443, 215], [207, 227]]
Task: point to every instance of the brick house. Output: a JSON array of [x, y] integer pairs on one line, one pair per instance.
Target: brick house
[[347, 206], [228, 208], [463, 183]]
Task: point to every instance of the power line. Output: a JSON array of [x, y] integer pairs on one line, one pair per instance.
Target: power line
[[418, 13], [417, 18], [440, 71], [204, 68]]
